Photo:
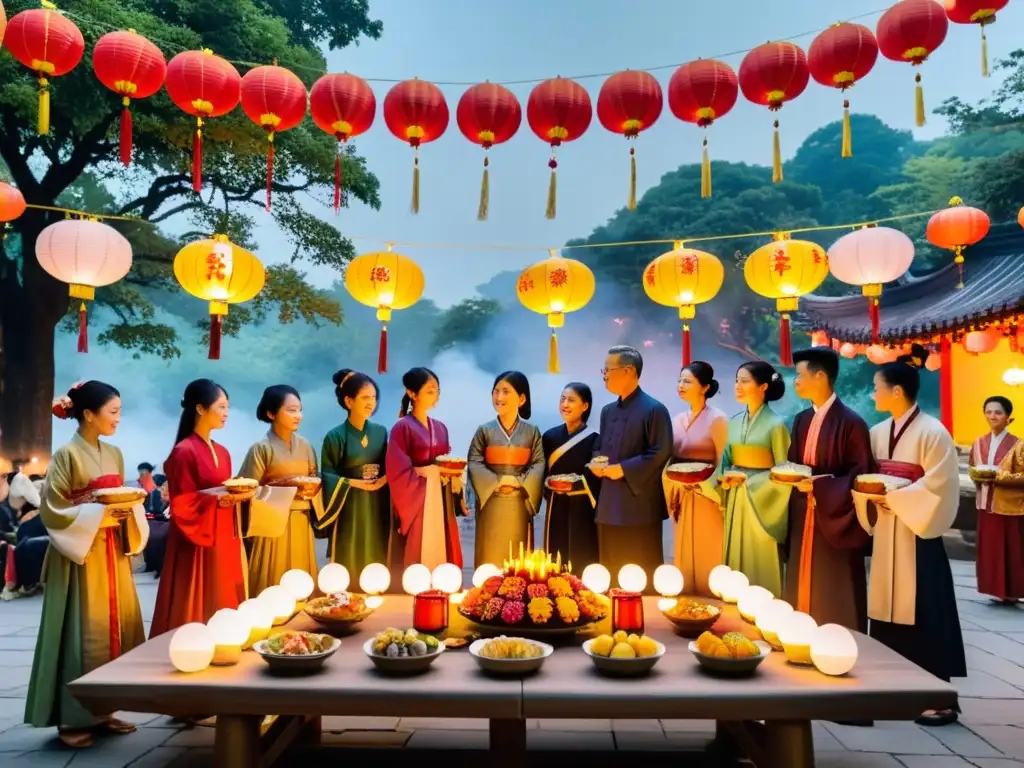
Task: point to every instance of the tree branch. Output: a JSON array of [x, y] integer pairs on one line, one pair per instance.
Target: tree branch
[[61, 175]]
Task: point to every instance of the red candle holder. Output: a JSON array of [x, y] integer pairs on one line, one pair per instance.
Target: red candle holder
[[627, 611], [430, 611]]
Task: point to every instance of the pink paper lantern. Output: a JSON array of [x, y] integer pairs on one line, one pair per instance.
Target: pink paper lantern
[[980, 342], [878, 354], [848, 350], [934, 361]]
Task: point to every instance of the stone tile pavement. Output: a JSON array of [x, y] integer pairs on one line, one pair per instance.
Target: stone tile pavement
[[989, 735]]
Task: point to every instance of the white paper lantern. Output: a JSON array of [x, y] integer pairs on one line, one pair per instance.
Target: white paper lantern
[[298, 583], [416, 579], [484, 572], [373, 602], [752, 599], [280, 602], [333, 579], [833, 649], [770, 617], [668, 580], [447, 577], [258, 616], [375, 579], [230, 632], [733, 584], [632, 578], [795, 633], [191, 648], [596, 578], [718, 573]]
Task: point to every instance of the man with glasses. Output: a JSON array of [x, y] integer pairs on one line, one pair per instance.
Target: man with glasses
[[634, 446]]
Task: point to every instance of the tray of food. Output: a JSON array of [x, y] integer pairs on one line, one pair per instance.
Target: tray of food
[[983, 473], [562, 483], [692, 617], [690, 472], [124, 497], [296, 653], [733, 654], [451, 464], [402, 652], [341, 611], [790, 473], [599, 462], [510, 655], [878, 485], [622, 655]]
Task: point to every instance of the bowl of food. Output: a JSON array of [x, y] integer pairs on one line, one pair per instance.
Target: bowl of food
[[296, 653], [599, 462], [734, 476], [789, 473], [562, 483], [878, 485], [240, 485], [341, 611], [120, 497], [622, 655], [304, 485], [983, 473], [451, 464], [692, 617], [690, 472], [402, 652], [510, 655], [733, 654]]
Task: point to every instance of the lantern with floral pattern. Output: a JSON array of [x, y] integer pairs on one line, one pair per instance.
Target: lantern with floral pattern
[[553, 287]]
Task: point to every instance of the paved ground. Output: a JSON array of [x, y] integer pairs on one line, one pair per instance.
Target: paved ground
[[990, 734]]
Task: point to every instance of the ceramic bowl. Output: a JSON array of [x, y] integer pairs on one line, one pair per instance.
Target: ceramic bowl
[[510, 666], [731, 667], [401, 665], [624, 667], [281, 664]]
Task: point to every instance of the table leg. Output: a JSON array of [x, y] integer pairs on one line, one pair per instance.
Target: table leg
[[311, 731], [237, 741], [789, 744], [508, 742]]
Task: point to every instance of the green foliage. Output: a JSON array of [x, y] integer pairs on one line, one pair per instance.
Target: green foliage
[[464, 323]]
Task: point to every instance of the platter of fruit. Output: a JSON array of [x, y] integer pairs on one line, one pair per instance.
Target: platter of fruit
[[296, 653], [692, 617], [510, 655], [341, 611], [689, 472], [534, 596], [731, 654], [402, 652], [624, 655]]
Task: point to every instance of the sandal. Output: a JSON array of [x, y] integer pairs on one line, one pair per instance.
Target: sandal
[[76, 738], [937, 717], [118, 727]]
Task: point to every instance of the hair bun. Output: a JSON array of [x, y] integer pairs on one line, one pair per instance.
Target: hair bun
[[712, 389]]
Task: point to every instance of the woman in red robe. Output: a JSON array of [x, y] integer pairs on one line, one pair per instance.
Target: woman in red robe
[[204, 566]]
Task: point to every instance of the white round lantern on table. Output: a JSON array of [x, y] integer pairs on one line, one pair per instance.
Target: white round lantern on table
[[716, 577], [795, 633], [374, 581], [192, 647], [333, 578], [447, 577], [484, 572], [596, 578], [280, 602], [733, 584], [230, 632], [416, 579], [753, 599], [258, 616], [833, 649], [669, 583], [770, 617], [298, 583], [632, 578]]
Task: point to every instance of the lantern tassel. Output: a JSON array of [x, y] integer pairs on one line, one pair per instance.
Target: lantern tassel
[[918, 101], [125, 137], [83, 329], [382, 351], [416, 182], [984, 52], [631, 204], [847, 150], [553, 366], [874, 312], [216, 323], [552, 208], [705, 172], [337, 183], [270, 168], [776, 156], [687, 351], [44, 107], [197, 157], [785, 342], [485, 194]]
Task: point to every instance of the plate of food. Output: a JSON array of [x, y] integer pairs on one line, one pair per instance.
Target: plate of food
[[789, 473], [238, 485], [451, 464], [510, 655], [877, 485], [562, 483], [599, 462], [734, 476], [622, 655], [690, 472], [732, 654], [295, 653], [692, 617], [342, 611], [402, 652], [983, 473], [124, 497]]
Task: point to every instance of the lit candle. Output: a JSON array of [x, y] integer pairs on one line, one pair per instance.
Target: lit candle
[[568, 566], [558, 562], [430, 611], [627, 611], [521, 551]]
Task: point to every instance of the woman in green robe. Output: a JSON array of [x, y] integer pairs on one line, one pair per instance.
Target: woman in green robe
[[357, 511], [756, 509]]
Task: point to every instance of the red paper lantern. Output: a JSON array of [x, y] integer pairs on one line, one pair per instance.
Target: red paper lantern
[[558, 110], [955, 228], [980, 342], [48, 43], [700, 92], [133, 68], [839, 57], [771, 75], [415, 111], [980, 12], [202, 85], [1020, 216], [12, 203], [911, 31], [343, 106], [275, 99], [488, 114], [630, 102]]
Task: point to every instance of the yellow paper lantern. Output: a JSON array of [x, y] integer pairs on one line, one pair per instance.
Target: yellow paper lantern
[[230, 632], [785, 270], [259, 617], [795, 633], [386, 281], [770, 617], [684, 278], [222, 273], [596, 578], [553, 287], [280, 602]]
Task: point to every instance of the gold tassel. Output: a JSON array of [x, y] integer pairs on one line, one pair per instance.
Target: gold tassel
[[984, 52], [485, 194], [44, 107], [632, 180], [847, 134], [553, 354], [552, 196], [416, 182], [776, 156], [918, 101], [705, 172]]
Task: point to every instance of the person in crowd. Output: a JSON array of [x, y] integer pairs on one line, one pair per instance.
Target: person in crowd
[[426, 502], [698, 435], [145, 480], [1000, 555], [636, 443], [570, 527], [756, 509], [356, 501], [506, 470], [91, 611], [157, 513], [825, 552]]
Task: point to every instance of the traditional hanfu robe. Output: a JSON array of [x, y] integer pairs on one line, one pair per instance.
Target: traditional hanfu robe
[[91, 611], [424, 502], [569, 525], [911, 602], [825, 574], [1000, 555], [504, 517], [697, 509], [756, 512], [270, 460], [636, 433], [358, 522]]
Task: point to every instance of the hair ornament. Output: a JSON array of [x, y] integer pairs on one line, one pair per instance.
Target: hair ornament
[[775, 376], [62, 406]]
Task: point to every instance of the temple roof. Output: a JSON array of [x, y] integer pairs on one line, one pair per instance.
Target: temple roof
[[922, 307]]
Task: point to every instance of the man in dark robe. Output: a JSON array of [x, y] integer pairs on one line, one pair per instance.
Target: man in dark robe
[[825, 574], [636, 439]]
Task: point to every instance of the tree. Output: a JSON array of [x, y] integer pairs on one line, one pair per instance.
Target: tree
[[464, 323], [78, 159]]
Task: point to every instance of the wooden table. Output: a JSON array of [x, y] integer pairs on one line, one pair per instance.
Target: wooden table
[[787, 698]]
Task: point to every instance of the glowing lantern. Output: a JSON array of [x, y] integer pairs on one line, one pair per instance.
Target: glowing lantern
[[133, 68], [230, 632], [785, 270], [632, 578], [934, 361], [957, 227], [879, 355], [770, 617], [752, 600], [386, 281], [683, 278], [700, 92], [343, 106], [416, 579], [49, 44], [716, 579], [839, 57], [447, 577], [1020, 216], [596, 578], [820, 339], [375, 579], [3, 21], [553, 287], [12, 202], [630, 102], [980, 12], [732, 586], [415, 111], [558, 110], [910, 31], [275, 99], [795, 633], [833, 649], [299, 584], [869, 257], [483, 573], [848, 350], [86, 254], [222, 273], [280, 602], [771, 75], [1013, 377], [192, 646], [258, 616], [979, 342], [668, 580], [333, 579], [488, 114]]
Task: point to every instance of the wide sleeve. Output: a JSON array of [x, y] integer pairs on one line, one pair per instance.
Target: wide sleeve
[[645, 468], [72, 527], [192, 511], [1011, 471], [719, 433], [135, 526], [481, 477], [335, 488], [532, 479], [769, 500], [316, 504], [408, 488], [834, 511], [928, 507], [256, 461]]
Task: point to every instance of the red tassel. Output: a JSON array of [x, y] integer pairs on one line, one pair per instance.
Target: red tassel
[[686, 345], [197, 159], [83, 329], [785, 343], [215, 329], [382, 352], [126, 136], [337, 181], [270, 171], [874, 311]]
